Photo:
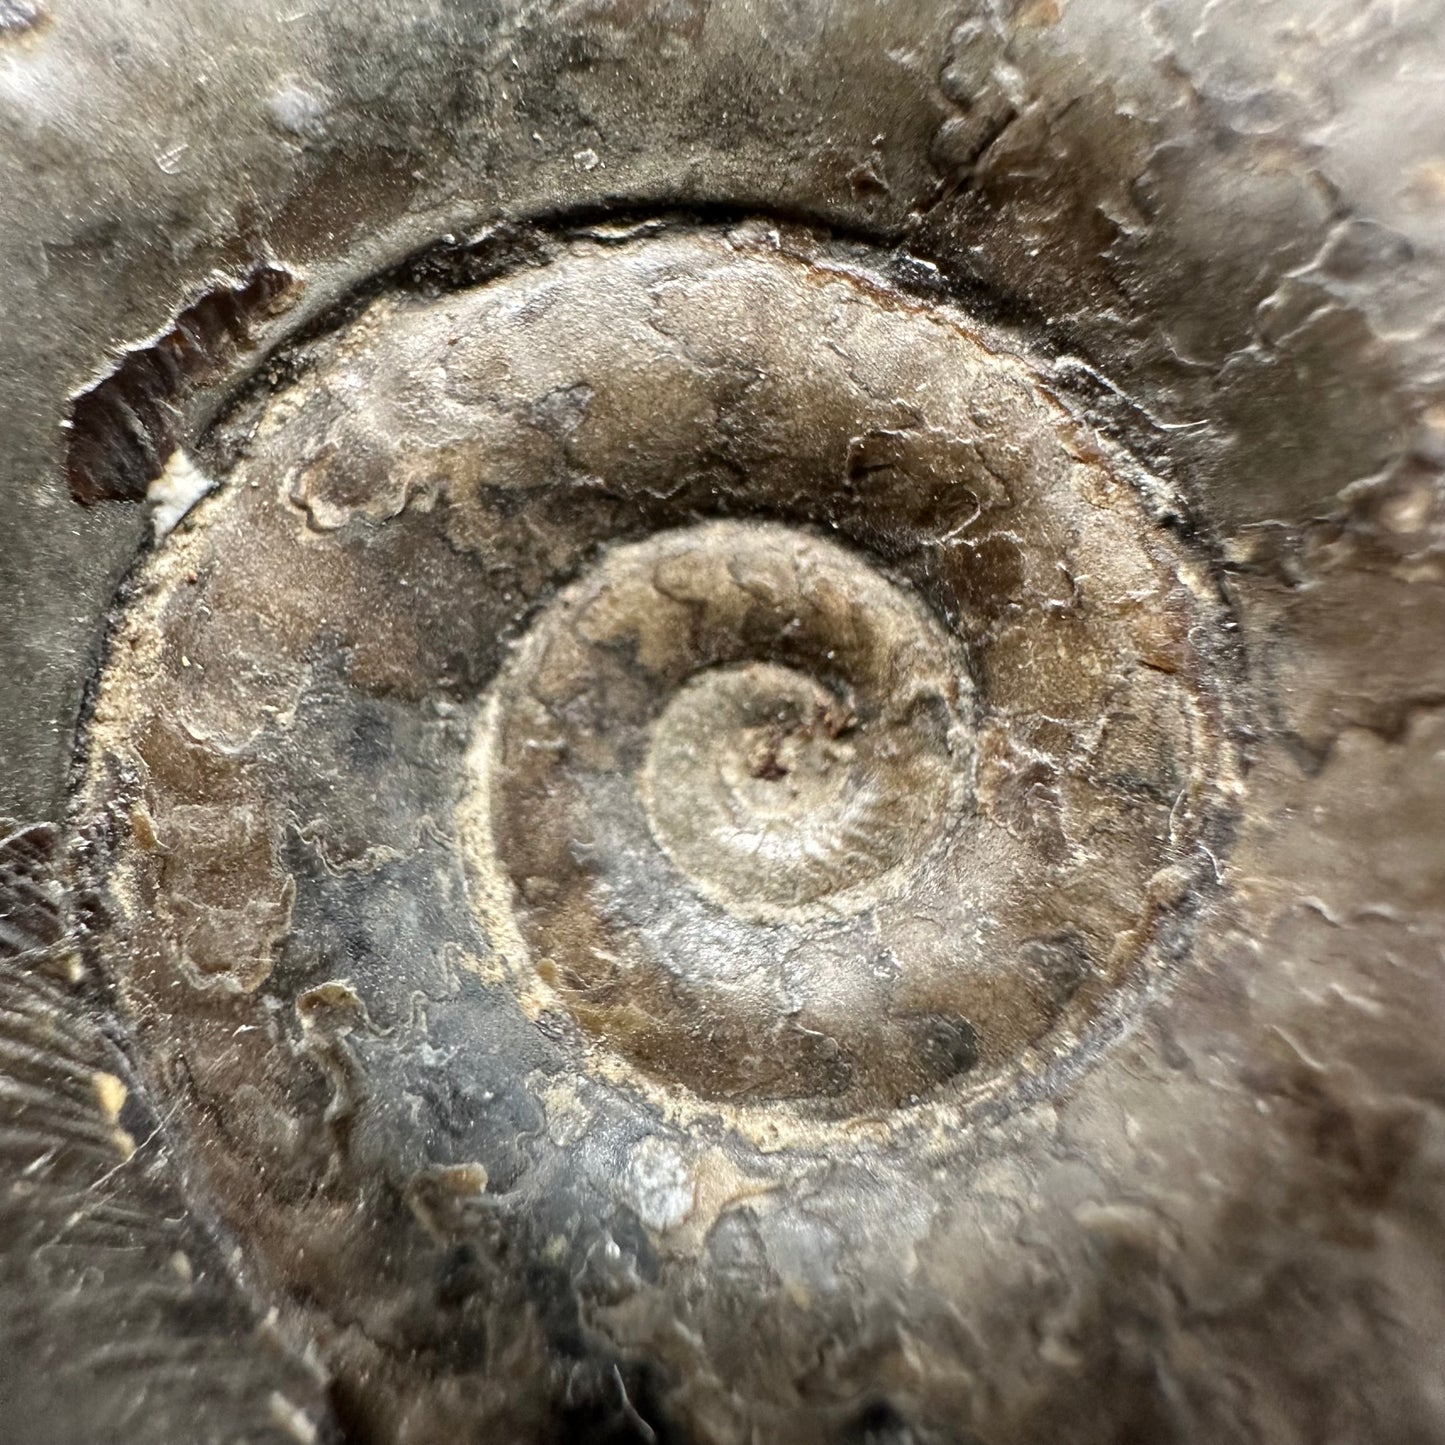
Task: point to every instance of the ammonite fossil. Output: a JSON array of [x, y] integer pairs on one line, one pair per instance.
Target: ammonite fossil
[[760, 790], [684, 705]]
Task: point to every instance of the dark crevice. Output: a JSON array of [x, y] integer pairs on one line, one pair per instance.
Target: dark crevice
[[124, 428]]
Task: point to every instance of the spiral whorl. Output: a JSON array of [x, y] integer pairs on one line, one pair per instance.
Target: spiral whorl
[[689, 703], [713, 744]]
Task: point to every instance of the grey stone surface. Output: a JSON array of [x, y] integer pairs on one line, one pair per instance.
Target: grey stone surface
[[1218, 228]]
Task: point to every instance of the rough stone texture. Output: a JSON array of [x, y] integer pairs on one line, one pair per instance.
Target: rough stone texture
[[118, 1301], [1222, 225]]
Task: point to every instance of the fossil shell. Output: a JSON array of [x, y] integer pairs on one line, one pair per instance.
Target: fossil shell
[[692, 677]]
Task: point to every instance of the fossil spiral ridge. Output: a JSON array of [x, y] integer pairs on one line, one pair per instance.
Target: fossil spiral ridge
[[745, 718]]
